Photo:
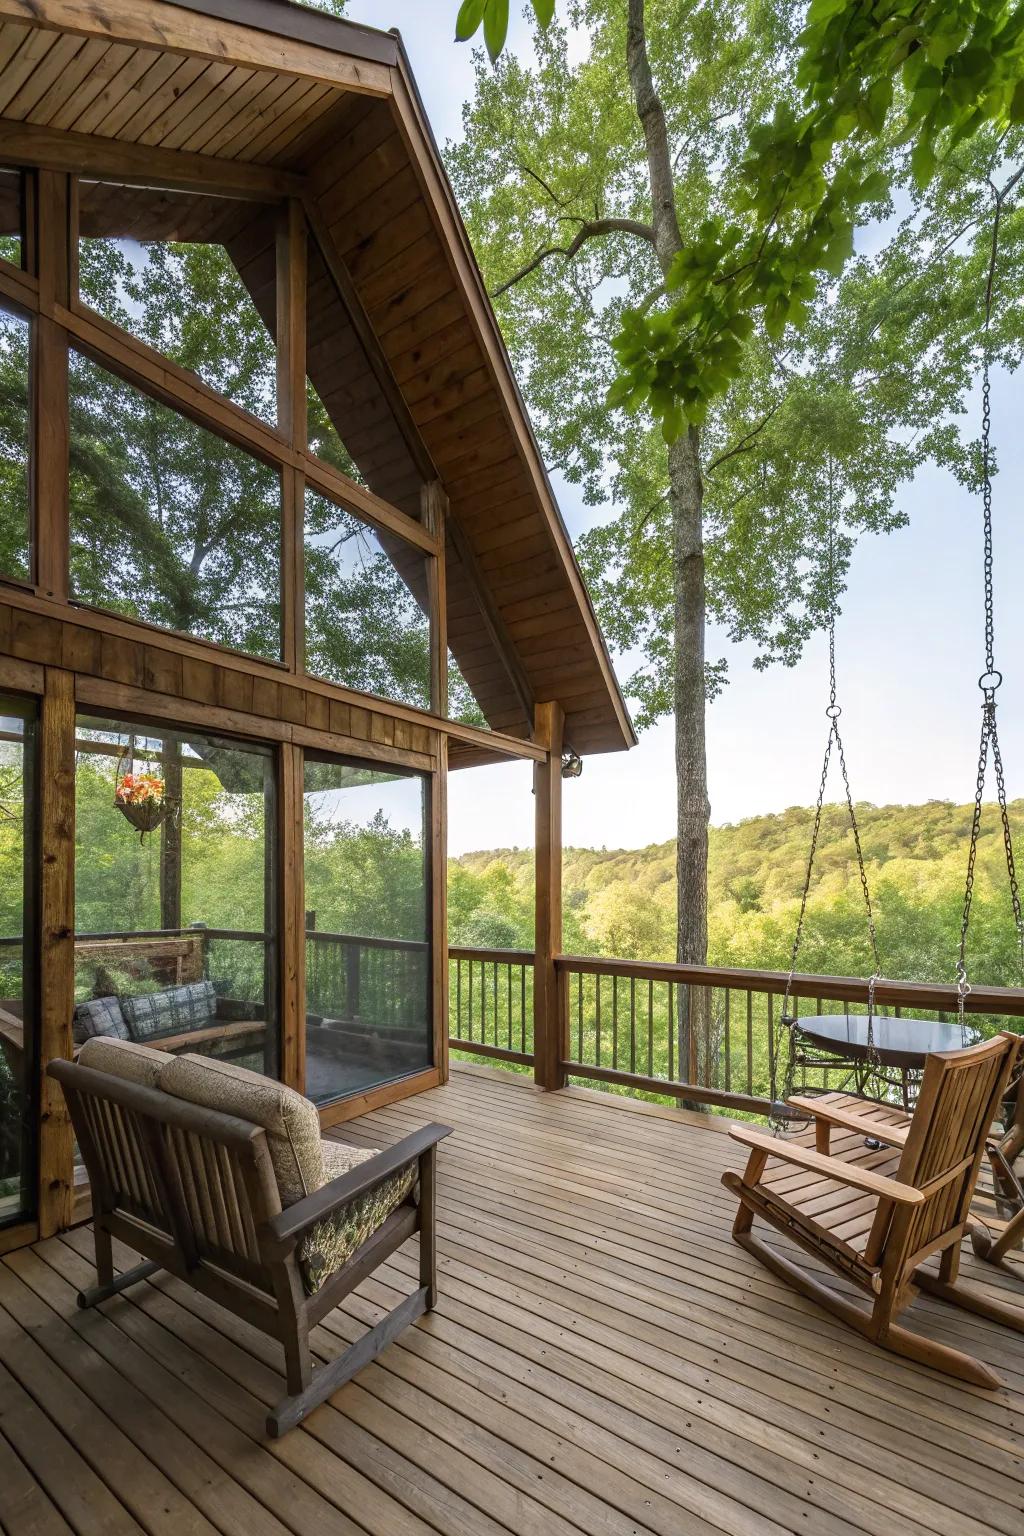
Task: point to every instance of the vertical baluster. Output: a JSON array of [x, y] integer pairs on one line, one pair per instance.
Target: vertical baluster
[[615, 1022], [597, 1020], [771, 1037], [469, 1022], [579, 1018], [750, 1041], [632, 1023], [483, 1001], [522, 1008], [728, 1045], [650, 1027], [671, 1030], [508, 1001], [458, 997], [495, 979]]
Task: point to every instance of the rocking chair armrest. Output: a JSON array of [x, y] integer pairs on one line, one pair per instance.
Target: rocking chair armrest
[[849, 1120], [828, 1167], [282, 1231]]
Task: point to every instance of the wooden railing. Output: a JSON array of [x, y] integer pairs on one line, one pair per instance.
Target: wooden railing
[[699, 1034], [490, 1003]]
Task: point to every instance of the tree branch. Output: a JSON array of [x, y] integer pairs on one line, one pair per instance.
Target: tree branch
[[590, 229], [746, 442]]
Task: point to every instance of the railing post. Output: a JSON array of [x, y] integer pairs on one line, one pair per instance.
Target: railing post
[[549, 1021]]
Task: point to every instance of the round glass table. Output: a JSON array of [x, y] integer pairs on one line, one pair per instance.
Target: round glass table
[[896, 1053]]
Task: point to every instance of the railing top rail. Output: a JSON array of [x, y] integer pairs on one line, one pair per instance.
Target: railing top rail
[[501, 956], [940, 998]]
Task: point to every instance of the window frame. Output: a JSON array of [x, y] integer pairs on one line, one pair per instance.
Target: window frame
[[45, 292], [328, 1108]]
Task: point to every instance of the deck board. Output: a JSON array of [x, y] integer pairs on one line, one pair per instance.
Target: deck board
[[604, 1360]]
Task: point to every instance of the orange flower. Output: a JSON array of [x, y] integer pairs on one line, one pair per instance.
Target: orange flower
[[139, 788]]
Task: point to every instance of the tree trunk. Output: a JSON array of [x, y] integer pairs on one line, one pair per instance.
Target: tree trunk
[[686, 501]]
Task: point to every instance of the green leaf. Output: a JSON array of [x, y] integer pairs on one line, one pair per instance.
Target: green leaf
[[471, 14], [1017, 103], [544, 11], [495, 27]]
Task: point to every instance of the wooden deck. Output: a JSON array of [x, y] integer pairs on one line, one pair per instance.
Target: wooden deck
[[604, 1360]]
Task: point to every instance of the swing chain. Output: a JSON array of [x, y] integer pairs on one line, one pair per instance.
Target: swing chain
[[832, 712], [991, 679]]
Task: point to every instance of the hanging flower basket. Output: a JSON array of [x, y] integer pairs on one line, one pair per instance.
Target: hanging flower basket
[[141, 798]]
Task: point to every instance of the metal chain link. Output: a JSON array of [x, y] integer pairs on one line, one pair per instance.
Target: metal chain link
[[991, 679]]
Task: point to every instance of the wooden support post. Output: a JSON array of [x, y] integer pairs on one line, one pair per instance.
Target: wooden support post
[[291, 417], [293, 919], [434, 516], [170, 837], [439, 904], [57, 971], [549, 1021], [50, 430]]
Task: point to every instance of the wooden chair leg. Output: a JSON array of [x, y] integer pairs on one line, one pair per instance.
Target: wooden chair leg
[[428, 1225], [329, 1378], [109, 1284], [994, 1249]]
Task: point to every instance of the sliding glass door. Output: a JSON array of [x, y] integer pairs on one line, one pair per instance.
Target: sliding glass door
[[368, 973], [18, 1039]]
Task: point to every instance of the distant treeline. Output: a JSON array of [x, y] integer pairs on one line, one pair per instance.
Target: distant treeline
[[622, 901]]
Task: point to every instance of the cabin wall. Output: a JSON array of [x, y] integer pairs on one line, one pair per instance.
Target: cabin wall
[[72, 659]]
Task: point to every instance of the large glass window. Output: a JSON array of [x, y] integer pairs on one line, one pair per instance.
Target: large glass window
[[366, 606], [17, 1003], [189, 274], [15, 432], [169, 522], [175, 896], [368, 968]]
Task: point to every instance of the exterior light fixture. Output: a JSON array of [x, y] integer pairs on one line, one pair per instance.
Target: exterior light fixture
[[572, 765]]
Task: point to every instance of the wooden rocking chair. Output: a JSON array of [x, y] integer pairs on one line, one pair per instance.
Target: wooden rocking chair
[[992, 1238], [876, 1213]]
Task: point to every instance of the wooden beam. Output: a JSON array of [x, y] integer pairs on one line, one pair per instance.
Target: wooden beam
[[97, 628], [434, 516], [173, 29], [492, 620], [290, 338], [50, 431], [57, 968], [292, 919], [549, 1019], [29, 144], [364, 330]]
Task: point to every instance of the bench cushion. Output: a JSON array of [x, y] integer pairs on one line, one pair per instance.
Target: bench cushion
[[174, 1011], [333, 1241], [125, 1059], [98, 1016], [290, 1121]]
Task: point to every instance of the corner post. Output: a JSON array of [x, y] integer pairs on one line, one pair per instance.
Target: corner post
[[292, 900], [57, 957], [548, 1020]]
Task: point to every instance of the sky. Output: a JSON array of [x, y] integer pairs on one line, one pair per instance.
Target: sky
[[909, 641]]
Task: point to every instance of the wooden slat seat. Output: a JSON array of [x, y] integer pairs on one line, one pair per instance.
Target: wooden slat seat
[[825, 1208]]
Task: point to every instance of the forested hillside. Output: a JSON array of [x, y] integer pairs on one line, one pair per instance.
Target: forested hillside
[[622, 901]]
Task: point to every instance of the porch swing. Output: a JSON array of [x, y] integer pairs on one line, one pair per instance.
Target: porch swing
[[851, 1043]]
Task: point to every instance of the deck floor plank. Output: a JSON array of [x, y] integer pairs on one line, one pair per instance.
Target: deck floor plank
[[604, 1361]]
